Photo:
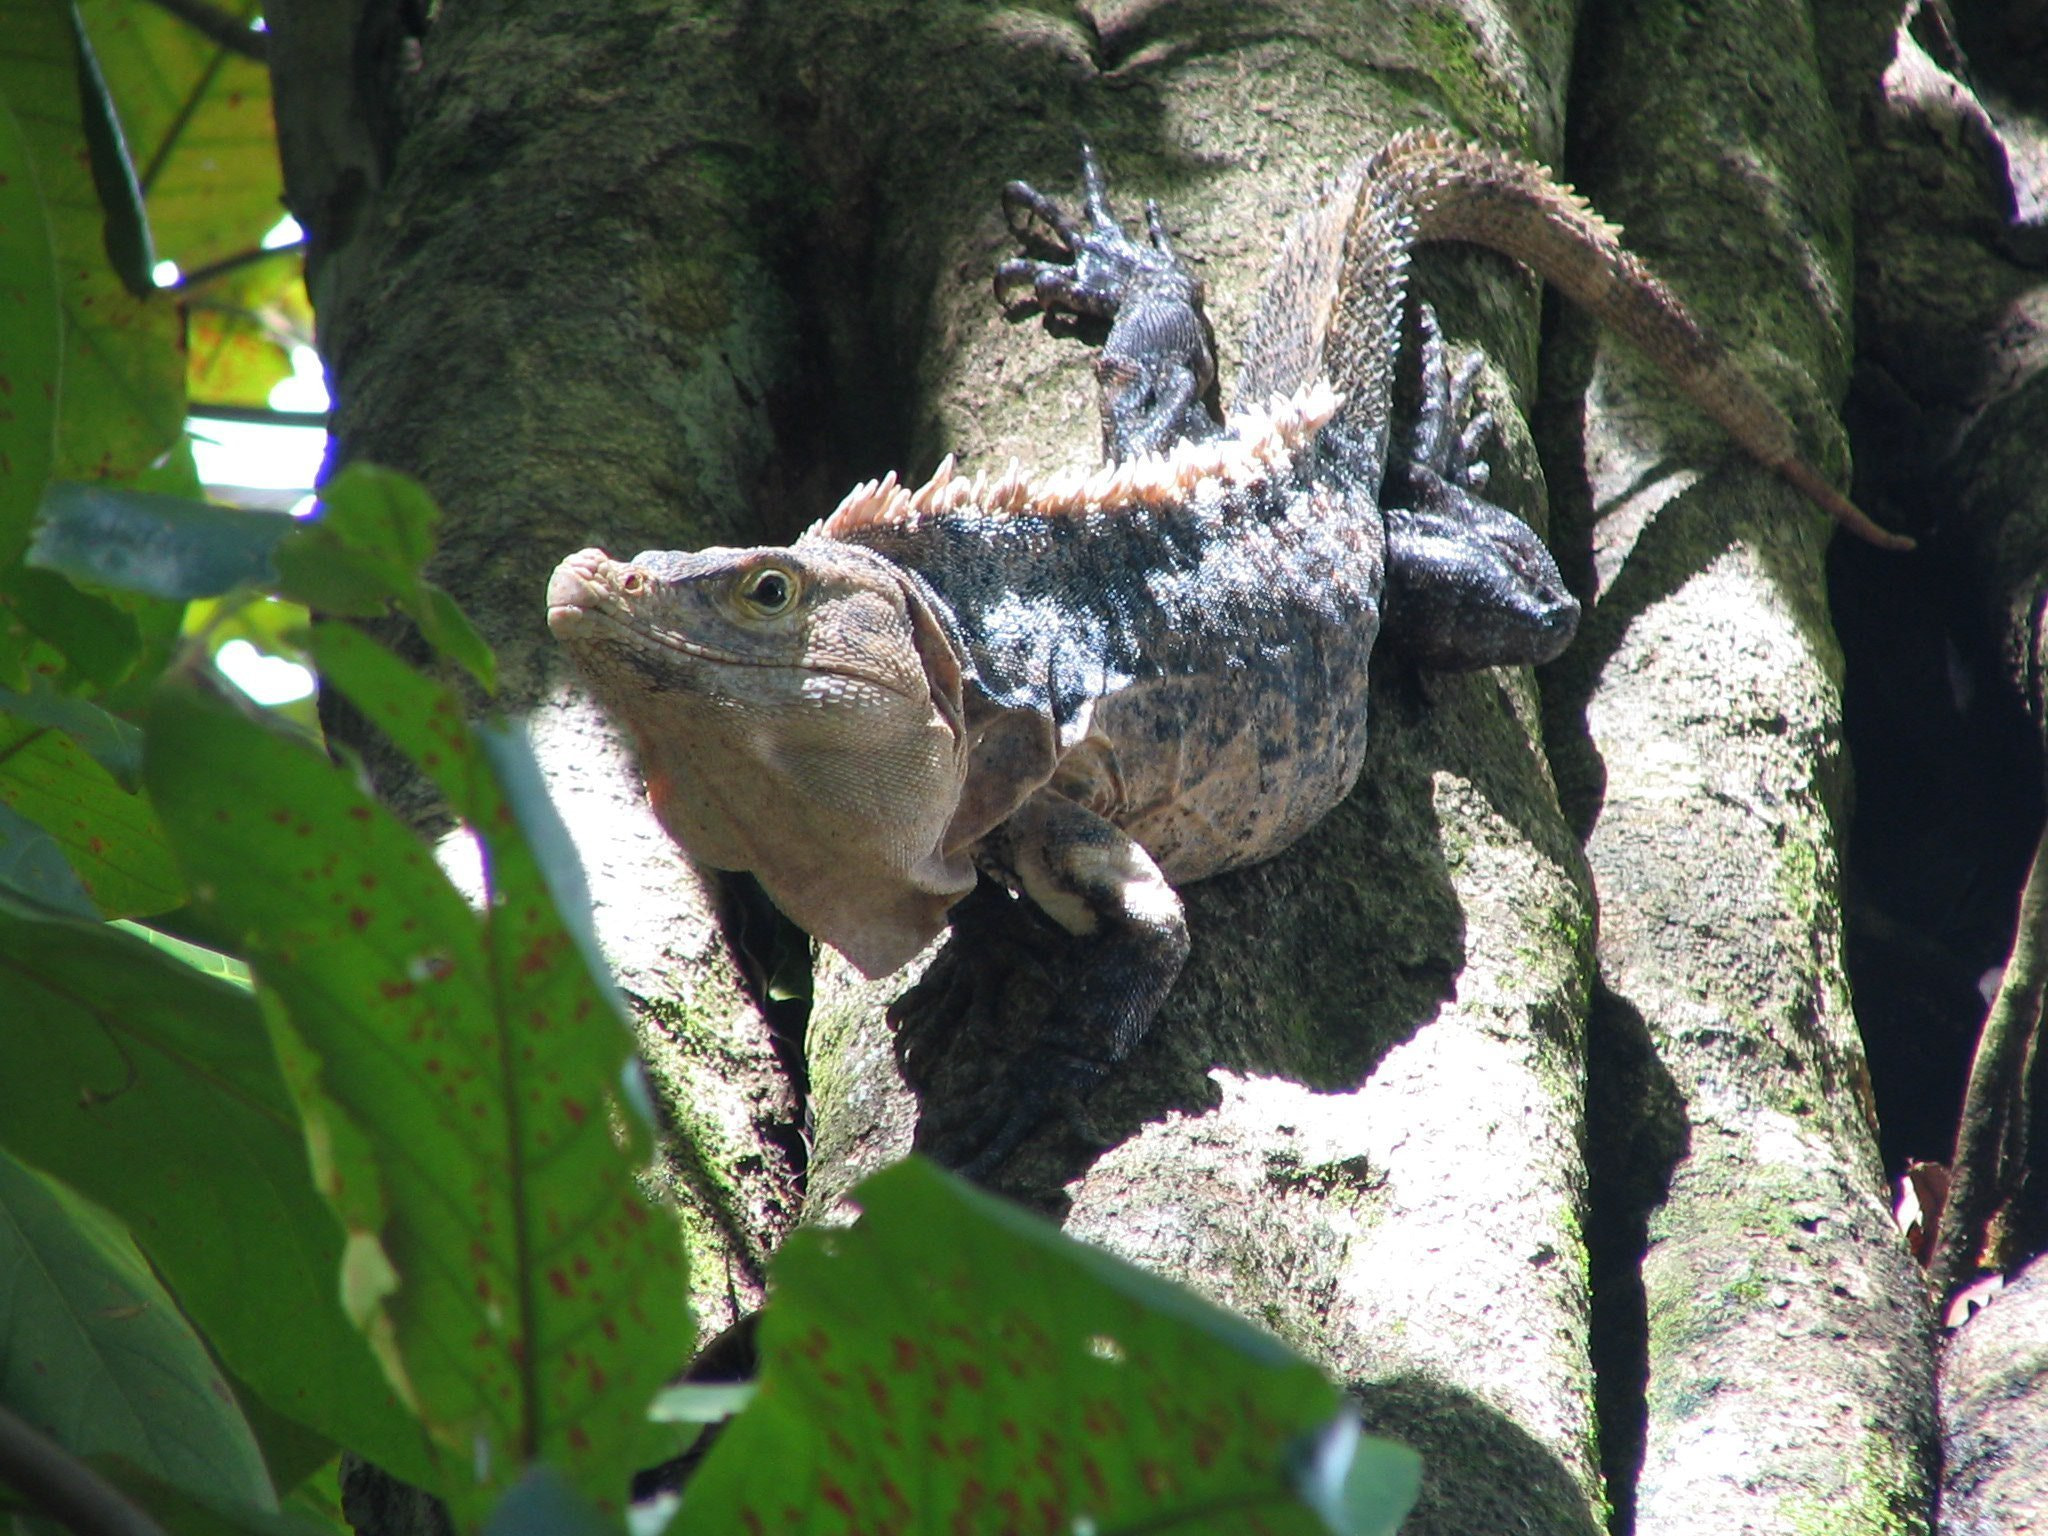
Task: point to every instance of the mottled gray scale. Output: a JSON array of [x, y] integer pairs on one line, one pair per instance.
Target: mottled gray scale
[[1237, 653]]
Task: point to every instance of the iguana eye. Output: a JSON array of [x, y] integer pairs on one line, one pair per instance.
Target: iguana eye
[[767, 592]]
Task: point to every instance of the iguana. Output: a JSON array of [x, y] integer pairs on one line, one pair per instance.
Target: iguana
[[1097, 685]]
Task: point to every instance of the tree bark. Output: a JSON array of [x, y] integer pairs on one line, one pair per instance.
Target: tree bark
[[542, 237], [1994, 1415], [1955, 386], [1784, 1328]]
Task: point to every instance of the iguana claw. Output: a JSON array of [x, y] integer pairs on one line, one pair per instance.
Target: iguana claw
[[1157, 367]]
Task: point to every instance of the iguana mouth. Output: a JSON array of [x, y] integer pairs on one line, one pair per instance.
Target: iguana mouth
[[666, 639]]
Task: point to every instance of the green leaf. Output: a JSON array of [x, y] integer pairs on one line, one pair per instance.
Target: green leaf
[[319, 1499], [952, 1363], [208, 962], [97, 640], [459, 1069], [243, 325], [113, 174], [1361, 1486], [373, 534], [93, 1352], [198, 120], [33, 337], [701, 1402], [209, 1512], [166, 546], [292, 1451], [118, 382], [365, 546], [110, 837], [448, 630], [543, 1503], [160, 622], [35, 876], [111, 741], [153, 1089]]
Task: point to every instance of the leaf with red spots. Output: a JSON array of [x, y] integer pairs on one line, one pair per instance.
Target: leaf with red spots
[[243, 326], [458, 1071], [950, 1363], [110, 837], [152, 1089]]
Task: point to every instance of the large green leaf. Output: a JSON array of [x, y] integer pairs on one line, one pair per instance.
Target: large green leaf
[[113, 174], [118, 383], [207, 1512], [111, 837], [950, 1363], [459, 1072], [153, 1089], [93, 1351], [198, 123], [198, 120], [30, 341], [83, 638], [112, 742]]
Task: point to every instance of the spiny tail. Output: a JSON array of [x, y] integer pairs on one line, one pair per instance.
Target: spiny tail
[[1353, 247]]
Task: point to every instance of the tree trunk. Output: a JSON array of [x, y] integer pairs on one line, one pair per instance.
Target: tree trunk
[[1957, 391], [654, 275], [541, 240], [1784, 1332]]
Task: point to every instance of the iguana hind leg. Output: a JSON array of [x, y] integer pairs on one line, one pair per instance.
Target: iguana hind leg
[[1125, 939], [1157, 369], [1469, 584]]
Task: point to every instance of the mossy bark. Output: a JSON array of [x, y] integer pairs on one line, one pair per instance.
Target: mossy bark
[[1698, 735], [1994, 1412]]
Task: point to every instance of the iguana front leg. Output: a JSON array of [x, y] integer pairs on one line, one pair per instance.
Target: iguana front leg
[[1127, 942], [1157, 369]]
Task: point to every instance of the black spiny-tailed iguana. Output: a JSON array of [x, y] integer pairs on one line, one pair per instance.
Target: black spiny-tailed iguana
[[1101, 684]]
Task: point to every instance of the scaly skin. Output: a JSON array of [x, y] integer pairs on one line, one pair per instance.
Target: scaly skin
[[1090, 688]]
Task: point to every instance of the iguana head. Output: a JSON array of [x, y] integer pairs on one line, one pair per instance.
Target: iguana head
[[798, 715]]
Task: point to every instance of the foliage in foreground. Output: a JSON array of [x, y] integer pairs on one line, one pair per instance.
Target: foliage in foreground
[[304, 1149]]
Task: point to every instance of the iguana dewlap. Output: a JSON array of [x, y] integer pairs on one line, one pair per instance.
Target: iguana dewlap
[[1098, 685]]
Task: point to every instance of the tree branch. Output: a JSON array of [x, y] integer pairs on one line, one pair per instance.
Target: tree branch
[[222, 27], [1990, 1155], [259, 415], [199, 276]]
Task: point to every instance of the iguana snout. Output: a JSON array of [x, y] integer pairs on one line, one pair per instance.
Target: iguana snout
[[797, 713]]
